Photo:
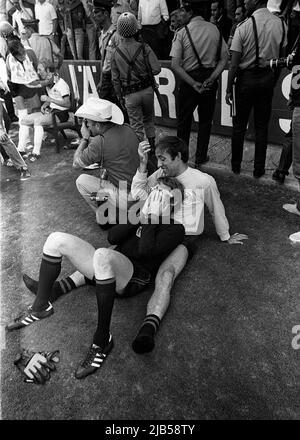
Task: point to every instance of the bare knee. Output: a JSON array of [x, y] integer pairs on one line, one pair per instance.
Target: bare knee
[[55, 242], [80, 181], [104, 258]]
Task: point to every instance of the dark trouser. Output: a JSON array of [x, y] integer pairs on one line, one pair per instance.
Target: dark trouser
[[187, 101], [9, 105], [254, 89], [286, 157], [150, 36]]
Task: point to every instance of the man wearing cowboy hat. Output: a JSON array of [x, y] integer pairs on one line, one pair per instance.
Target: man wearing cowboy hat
[[107, 140]]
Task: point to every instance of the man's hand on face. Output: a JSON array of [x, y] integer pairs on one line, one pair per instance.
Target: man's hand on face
[[85, 132], [237, 238]]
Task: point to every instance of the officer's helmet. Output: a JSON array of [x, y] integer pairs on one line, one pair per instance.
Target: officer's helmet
[[127, 25]]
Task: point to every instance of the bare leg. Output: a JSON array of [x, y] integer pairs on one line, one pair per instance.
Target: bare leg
[[160, 300], [167, 273], [79, 252]]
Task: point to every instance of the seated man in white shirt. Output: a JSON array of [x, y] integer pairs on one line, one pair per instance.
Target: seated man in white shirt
[[57, 98], [200, 189]]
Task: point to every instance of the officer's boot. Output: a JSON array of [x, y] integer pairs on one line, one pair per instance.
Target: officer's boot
[[152, 161]]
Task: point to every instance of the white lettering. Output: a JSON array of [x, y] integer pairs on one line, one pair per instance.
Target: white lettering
[[166, 89], [285, 89], [88, 82], [73, 76], [296, 339]]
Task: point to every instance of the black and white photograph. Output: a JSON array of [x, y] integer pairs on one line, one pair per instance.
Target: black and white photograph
[[150, 213]]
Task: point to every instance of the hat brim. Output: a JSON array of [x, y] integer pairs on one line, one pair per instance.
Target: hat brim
[[85, 111], [295, 238]]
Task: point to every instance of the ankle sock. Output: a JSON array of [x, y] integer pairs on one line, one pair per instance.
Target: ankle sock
[[105, 294], [144, 340], [49, 271]]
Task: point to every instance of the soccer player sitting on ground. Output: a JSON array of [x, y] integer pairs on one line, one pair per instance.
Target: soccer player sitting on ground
[[124, 271], [200, 189]]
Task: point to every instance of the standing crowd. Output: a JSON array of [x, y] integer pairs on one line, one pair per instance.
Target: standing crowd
[[140, 172]]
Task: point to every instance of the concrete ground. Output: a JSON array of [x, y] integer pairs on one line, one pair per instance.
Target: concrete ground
[[224, 350]]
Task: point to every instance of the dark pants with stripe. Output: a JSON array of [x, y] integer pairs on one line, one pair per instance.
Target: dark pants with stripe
[[254, 90], [187, 101]]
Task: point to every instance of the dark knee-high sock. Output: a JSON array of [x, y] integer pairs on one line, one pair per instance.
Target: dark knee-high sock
[[49, 271], [144, 340], [105, 293]]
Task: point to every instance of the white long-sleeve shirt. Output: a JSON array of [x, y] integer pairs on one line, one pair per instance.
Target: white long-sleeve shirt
[[200, 189], [151, 12]]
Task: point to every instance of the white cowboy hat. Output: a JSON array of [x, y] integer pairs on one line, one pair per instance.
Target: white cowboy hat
[[100, 110]]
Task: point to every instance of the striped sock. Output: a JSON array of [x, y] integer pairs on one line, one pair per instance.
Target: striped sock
[[144, 340], [49, 271], [105, 293], [66, 285]]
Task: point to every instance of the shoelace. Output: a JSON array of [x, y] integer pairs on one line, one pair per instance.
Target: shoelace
[[23, 315], [91, 355]]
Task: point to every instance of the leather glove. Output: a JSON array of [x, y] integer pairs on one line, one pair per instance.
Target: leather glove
[[37, 366]]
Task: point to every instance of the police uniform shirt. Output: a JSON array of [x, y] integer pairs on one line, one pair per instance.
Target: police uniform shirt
[[205, 36], [269, 30], [104, 42]]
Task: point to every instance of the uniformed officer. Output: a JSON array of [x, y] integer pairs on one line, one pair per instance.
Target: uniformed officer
[[256, 40], [108, 39], [101, 14], [133, 66], [199, 55]]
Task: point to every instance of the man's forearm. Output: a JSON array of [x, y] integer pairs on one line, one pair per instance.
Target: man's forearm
[[54, 22], [142, 168], [77, 161], [219, 68], [60, 102], [179, 71], [232, 73]]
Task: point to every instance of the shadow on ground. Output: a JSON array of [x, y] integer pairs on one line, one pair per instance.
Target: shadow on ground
[[224, 349]]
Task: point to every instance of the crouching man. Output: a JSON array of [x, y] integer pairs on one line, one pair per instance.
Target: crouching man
[[111, 143]]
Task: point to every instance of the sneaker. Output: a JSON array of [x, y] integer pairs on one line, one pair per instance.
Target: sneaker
[[29, 317], [94, 359], [236, 169], [258, 173], [8, 163], [24, 154], [34, 157], [93, 166], [25, 174], [29, 148]]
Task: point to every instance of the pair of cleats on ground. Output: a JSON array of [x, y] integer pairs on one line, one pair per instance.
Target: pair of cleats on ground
[[96, 355]]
